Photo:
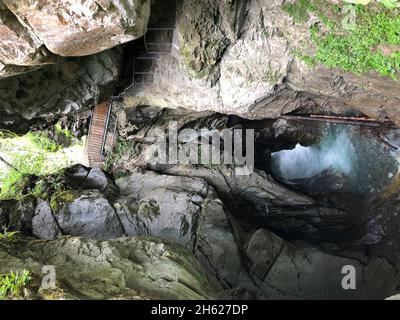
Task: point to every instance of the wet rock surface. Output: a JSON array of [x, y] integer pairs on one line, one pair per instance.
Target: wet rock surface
[[90, 215], [242, 259], [152, 231], [44, 224], [284, 270]]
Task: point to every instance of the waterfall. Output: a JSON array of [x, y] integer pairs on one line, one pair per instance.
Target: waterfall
[[333, 152], [362, 158]]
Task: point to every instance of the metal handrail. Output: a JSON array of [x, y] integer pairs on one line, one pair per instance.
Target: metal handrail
[[90, 126], [146, 45], [103, 142]]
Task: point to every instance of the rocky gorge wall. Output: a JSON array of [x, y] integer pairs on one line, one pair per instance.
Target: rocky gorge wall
[[174, 212], [249, 58], [189, 231], [40, 81], [35, 33]]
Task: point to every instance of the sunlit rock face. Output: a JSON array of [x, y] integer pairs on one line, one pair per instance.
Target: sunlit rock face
[[19, 52], [83, 27], [238, 57], [32, 33]]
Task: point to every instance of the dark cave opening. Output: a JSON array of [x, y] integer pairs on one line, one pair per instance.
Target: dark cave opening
[[343, 168]]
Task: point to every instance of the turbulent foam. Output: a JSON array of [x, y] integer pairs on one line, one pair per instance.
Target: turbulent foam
[[333, 152], [365, 161]]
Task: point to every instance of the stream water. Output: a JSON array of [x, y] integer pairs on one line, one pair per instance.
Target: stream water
[[364, 157]]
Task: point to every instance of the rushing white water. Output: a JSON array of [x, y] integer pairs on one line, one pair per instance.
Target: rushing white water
[[333, 152], [364, 160]]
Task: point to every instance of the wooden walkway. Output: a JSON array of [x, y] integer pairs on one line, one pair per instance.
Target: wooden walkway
[[157, 41], [97, 131]]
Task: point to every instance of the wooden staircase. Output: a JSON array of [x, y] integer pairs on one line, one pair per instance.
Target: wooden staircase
[[97, 131], [156, 42]]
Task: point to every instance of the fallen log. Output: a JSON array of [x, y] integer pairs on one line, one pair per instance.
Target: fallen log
[[342, 120]]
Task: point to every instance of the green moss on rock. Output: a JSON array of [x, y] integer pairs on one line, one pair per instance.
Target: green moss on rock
[[372, 43], [298, 10], [62, 198]]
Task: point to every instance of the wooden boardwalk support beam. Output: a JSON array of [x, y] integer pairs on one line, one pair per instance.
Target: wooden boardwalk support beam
[[361, 121]]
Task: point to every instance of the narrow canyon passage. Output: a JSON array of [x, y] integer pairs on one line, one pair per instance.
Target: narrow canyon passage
[[200, 149]]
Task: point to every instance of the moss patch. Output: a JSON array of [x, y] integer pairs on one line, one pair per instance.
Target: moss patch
[[299, 10], [52, 294], [62, 198]]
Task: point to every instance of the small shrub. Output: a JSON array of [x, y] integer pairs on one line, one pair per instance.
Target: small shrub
[[64, 136], [43, 142], [13, 185], [12, 284], [39, 189], [9, 236], [123, 148]]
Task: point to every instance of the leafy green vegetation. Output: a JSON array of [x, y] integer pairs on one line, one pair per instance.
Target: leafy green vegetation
[[39, 191], [26, 160], [391, 4], [16, 181], [12, 284], [373, 42], [358, 51], [122, 148], [8, 235], [65, 132], [301, 9], [42, 141], [298, 10], [64, 135]]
